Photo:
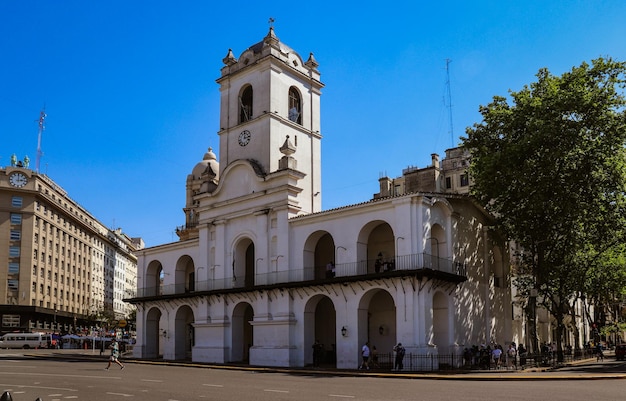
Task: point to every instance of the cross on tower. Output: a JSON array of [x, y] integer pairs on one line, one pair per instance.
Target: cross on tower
[[271, 22]]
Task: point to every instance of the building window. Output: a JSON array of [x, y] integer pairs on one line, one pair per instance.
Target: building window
[[295, 106], [448, 183], [14, 251], [13, 284], [14, 268], [16, 218], [16, 235], [245, 105], [464, 179], [11, 320], [16, 201]]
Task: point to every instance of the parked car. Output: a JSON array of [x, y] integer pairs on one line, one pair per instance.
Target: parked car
[[620, 352]]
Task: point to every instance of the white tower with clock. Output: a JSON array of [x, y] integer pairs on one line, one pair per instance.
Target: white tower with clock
[[270, 99]]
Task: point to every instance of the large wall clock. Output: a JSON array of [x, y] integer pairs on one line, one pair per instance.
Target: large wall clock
[[244, 138], [18, 180]]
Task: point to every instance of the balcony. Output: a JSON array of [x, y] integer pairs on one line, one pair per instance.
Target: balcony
[[420, 265]]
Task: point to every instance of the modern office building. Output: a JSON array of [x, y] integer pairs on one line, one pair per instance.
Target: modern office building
[[261, 271], [59, 266]]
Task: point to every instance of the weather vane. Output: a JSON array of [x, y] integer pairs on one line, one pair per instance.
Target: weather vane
[[271, 22]]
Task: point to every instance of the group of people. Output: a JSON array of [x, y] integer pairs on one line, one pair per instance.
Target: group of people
[[381, 265], [495, 355], [370, 356]]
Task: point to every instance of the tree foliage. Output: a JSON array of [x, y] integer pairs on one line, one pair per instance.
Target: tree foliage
[[549, 162]]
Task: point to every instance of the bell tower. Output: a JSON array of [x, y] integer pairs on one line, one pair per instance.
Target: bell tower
[[270, 97]]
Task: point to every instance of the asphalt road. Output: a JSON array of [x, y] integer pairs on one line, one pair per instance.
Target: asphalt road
[[86, 379]]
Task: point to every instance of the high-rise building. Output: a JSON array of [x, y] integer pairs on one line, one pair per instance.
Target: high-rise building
[[60, 268]]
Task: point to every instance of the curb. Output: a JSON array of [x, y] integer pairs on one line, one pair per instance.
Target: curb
[[531, 374]]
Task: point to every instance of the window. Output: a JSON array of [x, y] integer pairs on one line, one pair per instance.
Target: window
[[14, 268], [464, 180], [16, 235], [448, 183], [16, 218], [14, 251], [11, 320], [16, 201], [13, 284], [245, 105], [295, 106]]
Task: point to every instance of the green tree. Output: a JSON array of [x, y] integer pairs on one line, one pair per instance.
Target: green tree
[[549, 163]]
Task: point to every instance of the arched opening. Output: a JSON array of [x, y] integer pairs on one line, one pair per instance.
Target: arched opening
[[320, 328], [243, 264], [441, 323], [153, 283], [324, 255], [183, 333], [435, 254], [242, 335], [153, 335], [319, 251], [295, 106], [245, 104], [377, 246], [184, 275], [377, 322]]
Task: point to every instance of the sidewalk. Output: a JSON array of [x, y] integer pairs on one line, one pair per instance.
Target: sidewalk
[[541, 373]]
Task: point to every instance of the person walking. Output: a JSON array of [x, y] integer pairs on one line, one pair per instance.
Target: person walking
[[115, 354], [365, 354], [400, 351]]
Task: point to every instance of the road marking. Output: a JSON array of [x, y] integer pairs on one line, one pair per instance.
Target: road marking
[[340, 396], [213, 385], [276, 391], [121, 394], [152, 380], [60, 375]]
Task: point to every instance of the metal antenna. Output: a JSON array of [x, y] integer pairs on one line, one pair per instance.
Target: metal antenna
[[449, 93], [42, 118]]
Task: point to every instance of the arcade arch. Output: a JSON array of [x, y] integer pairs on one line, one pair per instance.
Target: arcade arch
[[153, 335], [242, 333], [320, 323], [377, 319], [183, 333]]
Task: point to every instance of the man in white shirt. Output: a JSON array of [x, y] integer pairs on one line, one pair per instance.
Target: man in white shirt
[[365, 354]]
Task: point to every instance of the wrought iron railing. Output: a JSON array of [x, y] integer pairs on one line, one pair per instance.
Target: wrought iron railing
[[414, 262]]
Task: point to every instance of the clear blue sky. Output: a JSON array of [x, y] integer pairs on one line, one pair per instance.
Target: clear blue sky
[[129, 86]]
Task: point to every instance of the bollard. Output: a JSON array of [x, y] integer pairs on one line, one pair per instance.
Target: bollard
[[6, 396]]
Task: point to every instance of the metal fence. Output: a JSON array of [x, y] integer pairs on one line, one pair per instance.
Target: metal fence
[[457, 362], [413, 262]]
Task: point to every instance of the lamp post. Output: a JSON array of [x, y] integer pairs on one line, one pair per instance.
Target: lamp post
[[336, 249], [398, 240]]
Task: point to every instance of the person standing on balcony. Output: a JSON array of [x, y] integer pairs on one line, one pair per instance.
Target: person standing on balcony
[[330, 270]]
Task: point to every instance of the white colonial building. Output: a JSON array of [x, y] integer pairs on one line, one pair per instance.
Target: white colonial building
[[248, 280]]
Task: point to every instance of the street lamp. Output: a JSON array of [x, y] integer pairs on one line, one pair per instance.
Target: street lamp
[[397, 258]]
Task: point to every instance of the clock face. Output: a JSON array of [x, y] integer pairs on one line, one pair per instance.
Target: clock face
[[18, 180], [244, 138]]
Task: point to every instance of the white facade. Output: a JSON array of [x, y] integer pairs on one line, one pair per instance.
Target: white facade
[[248, 282]]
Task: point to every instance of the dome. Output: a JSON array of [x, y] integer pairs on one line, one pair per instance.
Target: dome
[[208, 165]]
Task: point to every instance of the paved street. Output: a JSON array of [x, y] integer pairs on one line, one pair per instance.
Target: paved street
[[82, 377]]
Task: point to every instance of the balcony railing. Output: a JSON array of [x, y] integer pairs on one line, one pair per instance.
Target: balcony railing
[[407, 263]]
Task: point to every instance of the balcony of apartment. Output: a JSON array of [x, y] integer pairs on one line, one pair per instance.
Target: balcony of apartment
[[420, 265]]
